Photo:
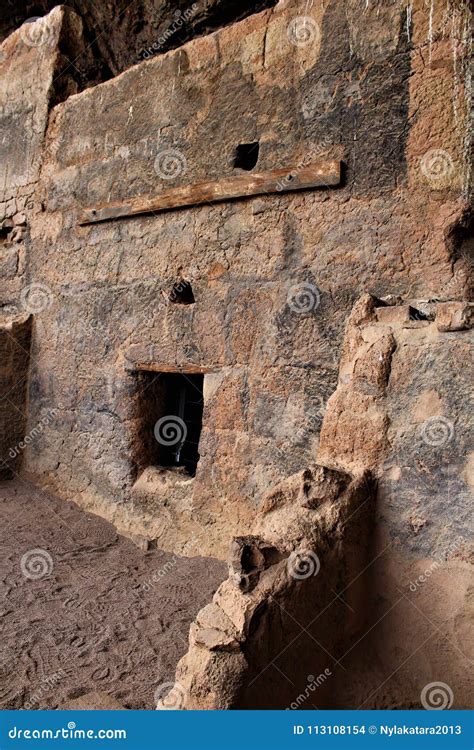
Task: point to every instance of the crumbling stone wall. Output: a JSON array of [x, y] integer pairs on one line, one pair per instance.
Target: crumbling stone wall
[[30, 62], [120, 37], [400, 411], [318, 589], [382, 87], [275, 623], [356, 86]]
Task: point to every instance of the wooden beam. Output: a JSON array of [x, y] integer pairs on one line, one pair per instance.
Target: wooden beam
[[320, 174], [184, 369]]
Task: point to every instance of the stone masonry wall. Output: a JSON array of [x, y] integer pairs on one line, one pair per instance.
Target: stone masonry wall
[[30, 60], [273, 277], [383, 87]]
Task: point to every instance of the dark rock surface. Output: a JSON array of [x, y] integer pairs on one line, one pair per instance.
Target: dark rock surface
[[120, 33]]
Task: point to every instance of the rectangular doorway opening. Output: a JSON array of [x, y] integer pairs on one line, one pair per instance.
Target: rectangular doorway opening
[[170, 421]]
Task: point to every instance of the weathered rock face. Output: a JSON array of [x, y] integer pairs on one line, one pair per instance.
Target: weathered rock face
[[31, 60], [420, 583], [121, 37]]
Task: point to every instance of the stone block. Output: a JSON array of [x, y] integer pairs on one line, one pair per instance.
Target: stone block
[[454, 316]]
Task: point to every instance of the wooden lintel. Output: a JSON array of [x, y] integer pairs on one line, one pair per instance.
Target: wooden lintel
[[319, 174], [182, 369]]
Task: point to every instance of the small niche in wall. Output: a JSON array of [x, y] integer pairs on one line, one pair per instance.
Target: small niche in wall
[[182, 293], [246, 156], [170, 420], [6, 228]]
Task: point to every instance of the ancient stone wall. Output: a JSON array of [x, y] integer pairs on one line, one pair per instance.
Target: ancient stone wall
[[119, 36], [331, 585], [382, 87], [273, 277], [30, 61]]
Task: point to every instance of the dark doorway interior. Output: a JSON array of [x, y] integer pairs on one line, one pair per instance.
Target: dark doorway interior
[[170, 419]]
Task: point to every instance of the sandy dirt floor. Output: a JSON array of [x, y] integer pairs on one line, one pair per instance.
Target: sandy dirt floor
[[83, 609]]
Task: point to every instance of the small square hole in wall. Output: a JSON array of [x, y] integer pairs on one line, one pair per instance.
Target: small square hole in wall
[[246, 156], [170, 406], [182, 293]]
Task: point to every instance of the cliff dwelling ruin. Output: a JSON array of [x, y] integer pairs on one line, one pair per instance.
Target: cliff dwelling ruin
[[235, 336]]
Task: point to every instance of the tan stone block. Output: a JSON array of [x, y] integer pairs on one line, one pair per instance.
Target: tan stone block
[[397, 315], [454, 316], [372, 367]]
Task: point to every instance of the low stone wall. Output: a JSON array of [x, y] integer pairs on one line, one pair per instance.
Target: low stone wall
[[331, 580], [277, 619]]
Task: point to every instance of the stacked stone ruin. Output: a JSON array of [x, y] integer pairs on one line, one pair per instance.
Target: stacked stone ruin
[[320, 296]]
